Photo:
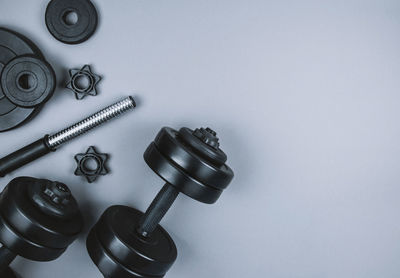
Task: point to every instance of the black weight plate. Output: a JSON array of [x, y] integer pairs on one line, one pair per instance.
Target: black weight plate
[[12, 45], [169, 144], [28, 95], [28, 221], [217, 156], [71, 33], [119, 251], [105, 262], [8, 273], [174, 175], [24, 247]]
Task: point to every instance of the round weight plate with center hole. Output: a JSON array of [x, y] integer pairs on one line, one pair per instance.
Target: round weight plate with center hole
[[30, 222], [28, 231], [12, 45], [28, 81], [217, 156], [71, 21], [24, 247], [118, 250], [171, 146], [176, 176]]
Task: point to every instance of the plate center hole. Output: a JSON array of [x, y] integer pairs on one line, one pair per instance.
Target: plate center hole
[[70, 18], [27, 81], [91, 164], [82, 82]]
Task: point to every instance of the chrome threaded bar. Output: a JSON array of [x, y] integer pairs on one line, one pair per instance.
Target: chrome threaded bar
[[90, 122], [50, 143]]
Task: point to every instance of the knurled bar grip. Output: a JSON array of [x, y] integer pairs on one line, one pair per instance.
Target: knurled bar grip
[[50, 143], [157, 209]]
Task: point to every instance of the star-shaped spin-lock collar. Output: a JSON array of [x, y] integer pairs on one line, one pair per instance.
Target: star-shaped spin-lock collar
[[83, 82], [91, 164]]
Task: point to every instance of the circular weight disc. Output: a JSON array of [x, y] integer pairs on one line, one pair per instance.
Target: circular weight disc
[[216, 155], [12, 45], [24, 247], [177, 177], [71, 32], [18, 91], [31, 223], [8, 273], [119, 251], [169, 144]]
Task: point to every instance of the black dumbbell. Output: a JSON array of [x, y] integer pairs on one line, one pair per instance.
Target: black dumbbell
[[125, 243], [39, 219]]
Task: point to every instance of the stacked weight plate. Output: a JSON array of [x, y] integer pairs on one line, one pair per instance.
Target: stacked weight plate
[[13, 45]]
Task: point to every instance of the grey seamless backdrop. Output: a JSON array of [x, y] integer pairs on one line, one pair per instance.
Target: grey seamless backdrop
[[305, 97]]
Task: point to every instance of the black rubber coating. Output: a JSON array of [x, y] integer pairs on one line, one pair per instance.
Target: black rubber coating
[[23, 156], [71, 32], [118, 251], [8, 273], [53, 199], [213, 154], [31, 232], [181, 165], [15, 85], [6, 257], [12, 45], [196, 164], [126, 243]]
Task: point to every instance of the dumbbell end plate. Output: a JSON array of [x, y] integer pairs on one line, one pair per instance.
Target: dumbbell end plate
[[118, 251], [8, 273]]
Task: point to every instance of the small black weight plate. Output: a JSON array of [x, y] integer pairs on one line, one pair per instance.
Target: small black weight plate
[[30, 222], [176, 176], [14, 81], [71, 32], [13, 44], [215, 155], [118, 250], [170, 145]]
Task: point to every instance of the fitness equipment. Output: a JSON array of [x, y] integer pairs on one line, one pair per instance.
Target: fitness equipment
[[85, 73], [15, 81], [125, 243], [18, 71], [65, 28], [39, 219], [50, 143], [91, 174]]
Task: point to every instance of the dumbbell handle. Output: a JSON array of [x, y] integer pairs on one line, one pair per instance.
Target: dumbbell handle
[[50, 143], [157, 209], [6, 257]]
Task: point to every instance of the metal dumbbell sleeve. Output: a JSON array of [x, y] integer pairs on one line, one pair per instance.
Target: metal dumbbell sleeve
[[50, 143]]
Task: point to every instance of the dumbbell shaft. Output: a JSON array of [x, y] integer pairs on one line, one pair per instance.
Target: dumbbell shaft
[[50, 143], [157, 209], [6, 257]]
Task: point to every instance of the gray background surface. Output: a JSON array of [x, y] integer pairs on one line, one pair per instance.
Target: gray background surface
[[305, 96]]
